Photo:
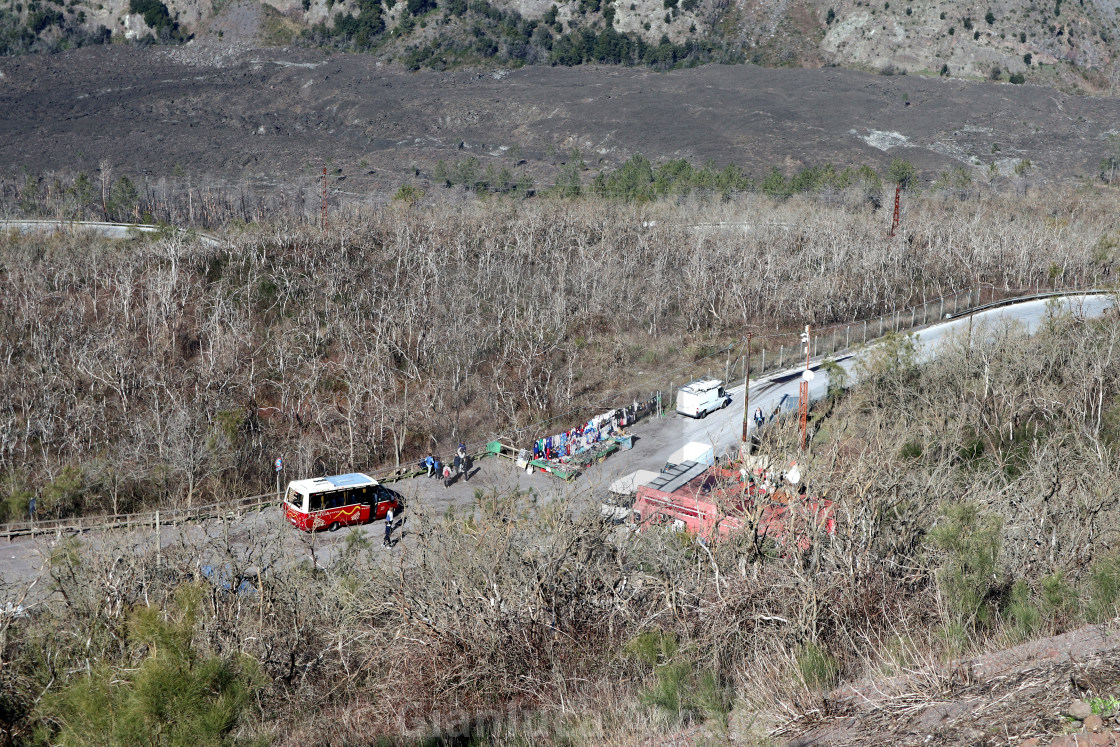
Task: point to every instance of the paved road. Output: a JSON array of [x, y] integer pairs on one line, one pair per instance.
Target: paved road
[[724, 429], [109, 230], [656, 440]]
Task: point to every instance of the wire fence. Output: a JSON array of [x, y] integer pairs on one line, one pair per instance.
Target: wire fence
[[770, 353]]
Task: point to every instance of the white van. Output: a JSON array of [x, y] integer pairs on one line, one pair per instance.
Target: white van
[[697, 398]]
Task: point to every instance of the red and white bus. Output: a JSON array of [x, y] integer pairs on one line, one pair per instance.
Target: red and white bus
[[337, 501]]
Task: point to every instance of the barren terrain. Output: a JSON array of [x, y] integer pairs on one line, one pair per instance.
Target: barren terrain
[[281, 115]]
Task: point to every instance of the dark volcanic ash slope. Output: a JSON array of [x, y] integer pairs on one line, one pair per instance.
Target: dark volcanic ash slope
[[274, 115]]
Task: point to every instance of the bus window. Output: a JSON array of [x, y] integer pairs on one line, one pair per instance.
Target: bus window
[[295, 498], [316, 503]]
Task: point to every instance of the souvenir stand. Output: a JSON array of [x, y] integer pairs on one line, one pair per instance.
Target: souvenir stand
[[567, 454]]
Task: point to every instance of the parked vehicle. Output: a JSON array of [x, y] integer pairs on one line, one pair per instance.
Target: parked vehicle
[[693, 451], [698, 398], [337, 501]]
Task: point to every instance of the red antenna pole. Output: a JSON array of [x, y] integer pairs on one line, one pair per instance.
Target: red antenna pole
[[894, 220], [325, 199]]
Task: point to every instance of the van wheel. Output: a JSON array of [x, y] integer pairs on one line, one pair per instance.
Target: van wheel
[[334, 525], [726, 402]]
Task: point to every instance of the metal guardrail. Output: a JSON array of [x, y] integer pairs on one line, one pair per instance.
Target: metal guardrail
[[948, 307]]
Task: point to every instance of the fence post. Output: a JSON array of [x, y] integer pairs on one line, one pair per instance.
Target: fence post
[[781, 355], [762, 369], [941, 311], [815, 345], [880, 326], [913, 311], [847, 337], [157, 539], [865, 331]]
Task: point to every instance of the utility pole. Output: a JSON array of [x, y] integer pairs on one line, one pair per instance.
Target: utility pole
[[324, 199], [747, 395], [803, 400], [894, 220]]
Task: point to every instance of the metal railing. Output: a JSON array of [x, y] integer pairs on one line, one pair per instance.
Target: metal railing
[[153, 518]]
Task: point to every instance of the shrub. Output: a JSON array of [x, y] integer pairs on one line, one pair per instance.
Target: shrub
[[911, 450], [1104, 589], [155, 13], [1021, 613], [177, 693], [970, 543], [818, 668], [902, 172], [408, 194], [1017, 79]]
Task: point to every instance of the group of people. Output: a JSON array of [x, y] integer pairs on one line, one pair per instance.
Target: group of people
[[446, 471]]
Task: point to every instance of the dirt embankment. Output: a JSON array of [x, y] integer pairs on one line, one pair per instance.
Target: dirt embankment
[[1054, 691]]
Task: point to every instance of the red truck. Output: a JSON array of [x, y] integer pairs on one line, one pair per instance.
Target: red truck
[[715, 501]]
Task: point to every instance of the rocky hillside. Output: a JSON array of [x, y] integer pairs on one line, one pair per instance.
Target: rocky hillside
[[1072, 44]]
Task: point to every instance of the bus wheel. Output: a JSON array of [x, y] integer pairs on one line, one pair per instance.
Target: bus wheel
[[333, 527]]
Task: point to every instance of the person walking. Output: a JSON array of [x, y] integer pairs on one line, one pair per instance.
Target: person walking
[[446, 476], [388, 528], [438, 469], [430, 463]]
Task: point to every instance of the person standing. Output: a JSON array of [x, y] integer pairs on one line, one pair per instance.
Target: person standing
[[430, 463], [461, 460], [388, 527], [446, 476]]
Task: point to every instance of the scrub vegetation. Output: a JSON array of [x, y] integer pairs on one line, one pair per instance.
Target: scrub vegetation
[[515, 620], [974, 493], [166, 370]]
